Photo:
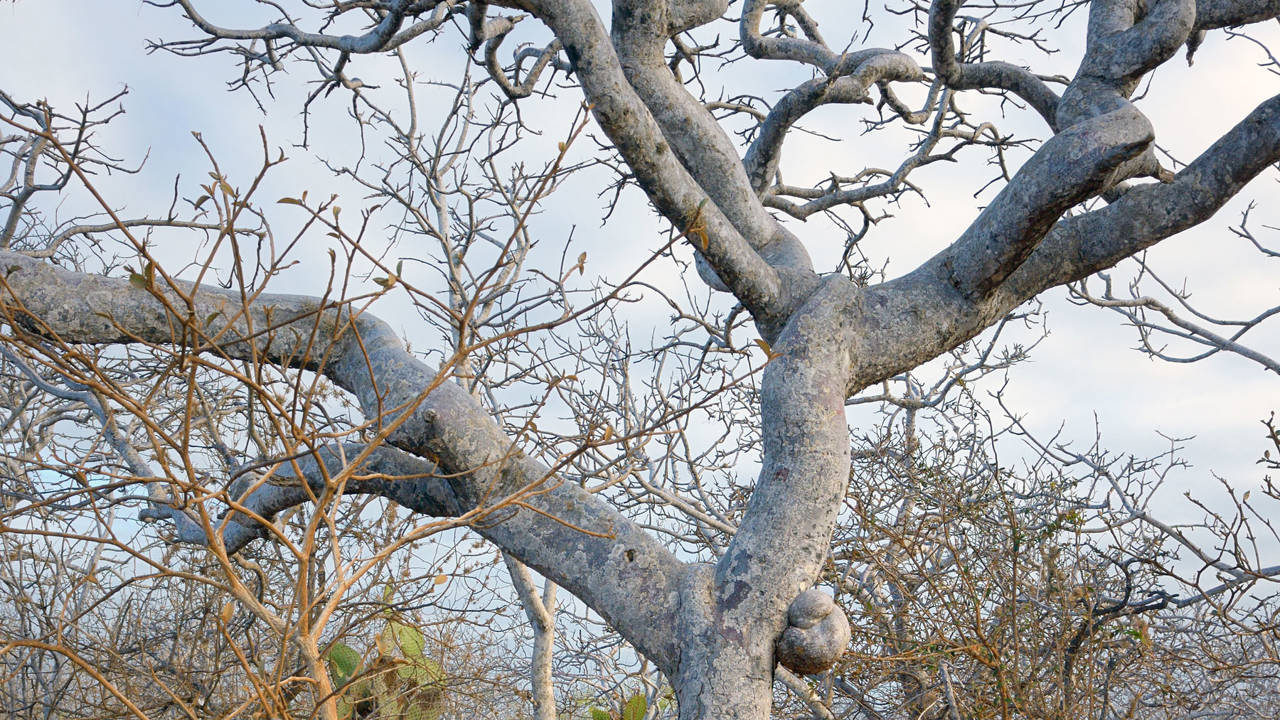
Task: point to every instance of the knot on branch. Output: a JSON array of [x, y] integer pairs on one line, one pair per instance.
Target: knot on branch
[[816, 635]]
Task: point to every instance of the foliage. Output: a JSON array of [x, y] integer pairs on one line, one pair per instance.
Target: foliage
[[399, 682]]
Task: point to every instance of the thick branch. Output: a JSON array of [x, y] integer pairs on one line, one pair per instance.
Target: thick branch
[[634, 132], [692, 132], [1211, 14], [386, 472], [1125, 41], [1126, 53], [733, 613], [914, 318], [1070, 168], [1085, 244], [568, 535]]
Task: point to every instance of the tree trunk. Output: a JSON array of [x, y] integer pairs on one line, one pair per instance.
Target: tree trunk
[[732, 613]]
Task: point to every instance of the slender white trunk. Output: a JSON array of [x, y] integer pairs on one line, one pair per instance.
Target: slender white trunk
[[541, 614]]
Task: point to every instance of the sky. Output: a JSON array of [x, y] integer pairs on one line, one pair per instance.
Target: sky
[[1085, 375]]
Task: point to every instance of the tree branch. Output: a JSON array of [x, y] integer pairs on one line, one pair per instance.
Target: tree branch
[[385, 35], [1212, 14], [940, 316], [567, 534], [631, 127], [847, 83], [974, 76], [1067, 170], [694, 135]]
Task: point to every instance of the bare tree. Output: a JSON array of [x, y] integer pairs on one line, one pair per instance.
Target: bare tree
[[614, 467]]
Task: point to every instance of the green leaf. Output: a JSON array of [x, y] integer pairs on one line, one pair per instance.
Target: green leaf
[[635, 708], [598, 714], [421, 672], [344, 659], [409, 638], [288, 201]]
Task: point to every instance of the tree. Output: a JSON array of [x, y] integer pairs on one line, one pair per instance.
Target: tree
[[223, 405]]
